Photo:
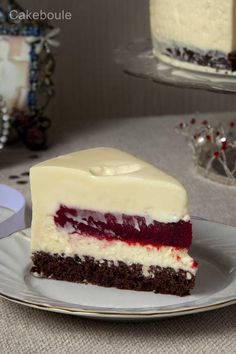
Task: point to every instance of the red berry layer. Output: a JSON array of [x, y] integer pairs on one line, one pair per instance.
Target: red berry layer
[[130, 229]]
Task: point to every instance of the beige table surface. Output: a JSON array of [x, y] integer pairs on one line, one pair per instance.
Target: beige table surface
[[24, 330]]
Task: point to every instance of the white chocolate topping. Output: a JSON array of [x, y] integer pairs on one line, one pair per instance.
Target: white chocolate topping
[[105, 180]]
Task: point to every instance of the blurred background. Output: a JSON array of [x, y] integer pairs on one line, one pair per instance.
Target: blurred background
[[89, 85]]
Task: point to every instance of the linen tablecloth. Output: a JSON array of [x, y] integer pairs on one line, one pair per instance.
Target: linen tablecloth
[[24, 330]]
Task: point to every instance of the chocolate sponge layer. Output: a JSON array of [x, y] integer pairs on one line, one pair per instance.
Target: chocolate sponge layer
[[109, 274]]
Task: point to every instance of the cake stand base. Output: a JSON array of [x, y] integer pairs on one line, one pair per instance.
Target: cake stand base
[[137, 59]]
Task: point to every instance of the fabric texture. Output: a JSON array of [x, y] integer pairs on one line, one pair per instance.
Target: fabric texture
[[26, 330]]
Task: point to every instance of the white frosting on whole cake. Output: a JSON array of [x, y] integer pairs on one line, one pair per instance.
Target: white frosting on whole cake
[[105, 180], [201, 25]]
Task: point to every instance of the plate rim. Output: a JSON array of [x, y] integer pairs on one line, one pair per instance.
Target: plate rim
[[128, 316], [124, 314]]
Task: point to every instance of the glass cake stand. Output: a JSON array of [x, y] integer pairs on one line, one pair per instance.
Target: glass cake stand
[[138, 60]]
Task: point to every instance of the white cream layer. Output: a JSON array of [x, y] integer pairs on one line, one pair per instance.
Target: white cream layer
[[56, 240], [204, 24], [105, 180]]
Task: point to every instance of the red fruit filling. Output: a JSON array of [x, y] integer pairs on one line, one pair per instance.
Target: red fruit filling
[[195, 264], [130, 229]]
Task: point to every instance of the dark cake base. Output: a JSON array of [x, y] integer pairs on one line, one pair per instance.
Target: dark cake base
[[108, 274], [212, 58]]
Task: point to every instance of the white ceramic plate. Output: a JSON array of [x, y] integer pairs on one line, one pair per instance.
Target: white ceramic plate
[[214, 247]]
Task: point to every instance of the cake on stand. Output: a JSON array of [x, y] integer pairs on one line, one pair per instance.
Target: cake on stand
[[214, 147]]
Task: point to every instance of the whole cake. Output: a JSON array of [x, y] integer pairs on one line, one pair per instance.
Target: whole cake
[[104, 217], [195, 34]]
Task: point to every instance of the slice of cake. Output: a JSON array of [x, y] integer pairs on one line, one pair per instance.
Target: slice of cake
[[195, 34], [104, 217]]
